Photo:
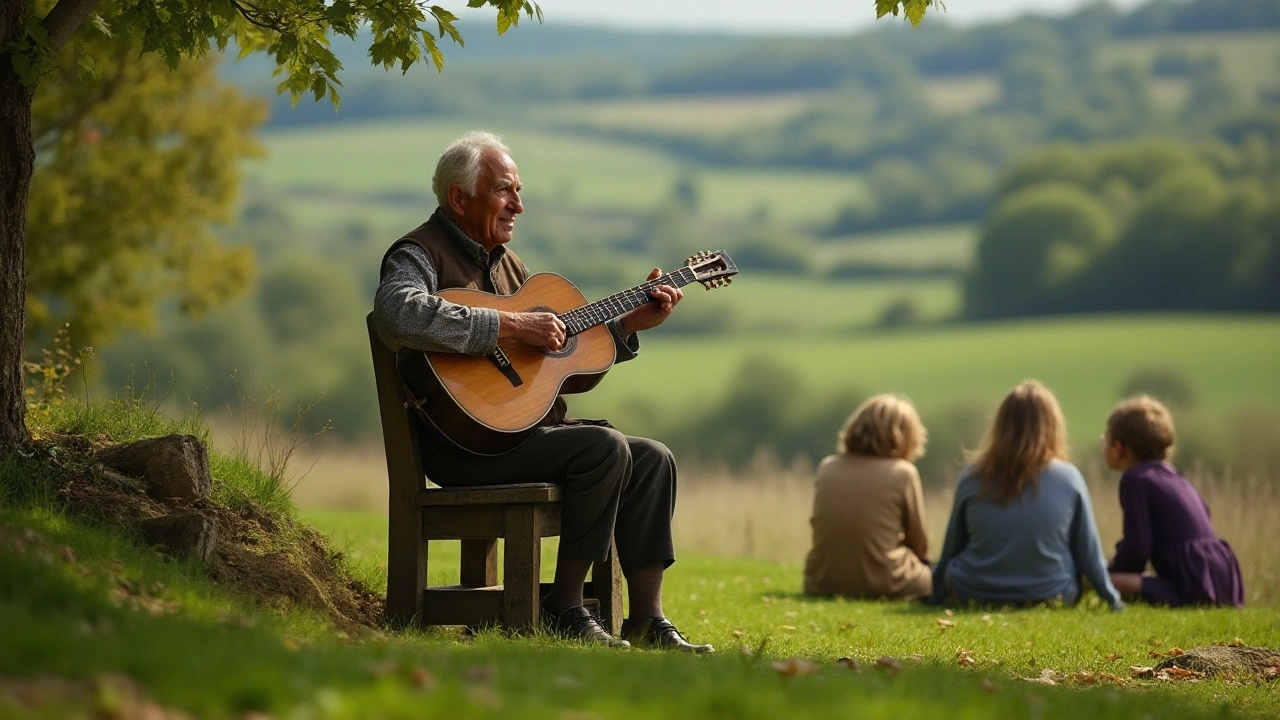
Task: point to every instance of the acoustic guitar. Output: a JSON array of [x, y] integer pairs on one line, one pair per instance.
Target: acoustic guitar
[[490, 404]]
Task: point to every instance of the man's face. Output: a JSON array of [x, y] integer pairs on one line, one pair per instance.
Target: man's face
[[489, 216]]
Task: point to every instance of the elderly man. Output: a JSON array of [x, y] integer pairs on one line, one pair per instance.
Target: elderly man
[[614, 484]]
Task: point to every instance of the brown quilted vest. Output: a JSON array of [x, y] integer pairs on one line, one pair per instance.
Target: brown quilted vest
[[456, 267]]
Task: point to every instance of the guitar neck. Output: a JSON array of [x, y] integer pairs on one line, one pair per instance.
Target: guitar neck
[[601, 311]]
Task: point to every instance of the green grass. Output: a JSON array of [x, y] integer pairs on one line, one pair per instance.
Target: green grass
[[686, 115], [761, 303], [89, 615], [1231, 360], [950, 245], [211, 654], [397, 156]]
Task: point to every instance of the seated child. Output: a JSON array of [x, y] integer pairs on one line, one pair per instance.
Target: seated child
[[1022, 527], [868, 512], [1166, 521]]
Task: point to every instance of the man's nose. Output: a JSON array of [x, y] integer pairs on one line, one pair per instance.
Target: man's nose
[[517, 205]]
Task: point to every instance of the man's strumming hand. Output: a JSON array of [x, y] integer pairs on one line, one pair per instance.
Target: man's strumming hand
[[540, 329]]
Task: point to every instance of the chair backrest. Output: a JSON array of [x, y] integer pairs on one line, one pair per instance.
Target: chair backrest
[[400, 432]]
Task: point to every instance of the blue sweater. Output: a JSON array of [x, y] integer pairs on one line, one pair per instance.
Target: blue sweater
[[1033, 549]]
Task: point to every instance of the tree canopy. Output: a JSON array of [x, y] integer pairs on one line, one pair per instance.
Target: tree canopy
[[135, 161]]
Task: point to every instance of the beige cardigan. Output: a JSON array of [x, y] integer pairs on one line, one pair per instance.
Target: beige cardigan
[[868, 530]]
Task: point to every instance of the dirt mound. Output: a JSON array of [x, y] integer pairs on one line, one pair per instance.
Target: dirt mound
[[276, 560], [1230, 660]]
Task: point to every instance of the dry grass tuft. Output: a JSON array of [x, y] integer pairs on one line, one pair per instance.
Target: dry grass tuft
[[762, 512]]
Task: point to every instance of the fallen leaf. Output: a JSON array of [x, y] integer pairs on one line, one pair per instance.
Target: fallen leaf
[[794, 667], [948, 612], [1112, 657], [1140, 671], [737, 633], [893, 666], [1175, 652], [1046, 677], [943, 623], [1178, 673], [68, 555], [422, 678], [965, 657], [1083, 677], [1236, 642], [849, 664], [789, 628], [986, 618], [990, 686]]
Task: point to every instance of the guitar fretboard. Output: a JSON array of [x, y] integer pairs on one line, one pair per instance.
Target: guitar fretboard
[[621, 303]]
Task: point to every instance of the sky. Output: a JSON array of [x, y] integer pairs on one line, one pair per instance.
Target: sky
[[775, 16]]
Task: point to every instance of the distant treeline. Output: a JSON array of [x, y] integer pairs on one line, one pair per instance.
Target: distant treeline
[[1147, 226], [546, 64]]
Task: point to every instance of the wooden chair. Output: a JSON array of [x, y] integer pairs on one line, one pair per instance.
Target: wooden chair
[[520, 514]]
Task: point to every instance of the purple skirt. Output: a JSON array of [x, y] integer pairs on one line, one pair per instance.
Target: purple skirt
[[1197, 572]]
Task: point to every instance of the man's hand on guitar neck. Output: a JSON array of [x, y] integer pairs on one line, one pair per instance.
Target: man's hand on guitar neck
[[655, 312], [539, 329]]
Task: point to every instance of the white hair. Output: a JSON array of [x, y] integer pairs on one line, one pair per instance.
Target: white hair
[[459, 164]]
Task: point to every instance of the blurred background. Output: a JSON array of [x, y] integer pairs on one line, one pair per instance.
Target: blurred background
[[1088, 195]]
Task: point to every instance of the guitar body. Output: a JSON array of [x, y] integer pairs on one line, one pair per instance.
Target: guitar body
[[477, 405]]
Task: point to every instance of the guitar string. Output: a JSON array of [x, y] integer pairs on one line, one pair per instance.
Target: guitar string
[[587, 316]]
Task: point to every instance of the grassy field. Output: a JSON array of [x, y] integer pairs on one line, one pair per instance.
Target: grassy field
[[949, 245], [1230, 360], [98, 626], [760, 303], [396, 156], [681, 115]]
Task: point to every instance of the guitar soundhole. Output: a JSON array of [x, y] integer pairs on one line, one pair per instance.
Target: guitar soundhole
[[570, 343]]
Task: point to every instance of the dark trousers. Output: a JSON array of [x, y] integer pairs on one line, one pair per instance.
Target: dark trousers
[[614, 485]]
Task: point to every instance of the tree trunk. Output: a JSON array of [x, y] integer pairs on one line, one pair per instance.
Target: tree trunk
[[17, 160]]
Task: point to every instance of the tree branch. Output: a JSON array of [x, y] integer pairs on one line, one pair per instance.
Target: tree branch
[[65, 18]]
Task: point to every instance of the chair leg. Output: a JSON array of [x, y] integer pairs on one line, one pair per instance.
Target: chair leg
[[479, 563], [606, 585], [406, 566], [522, 558]]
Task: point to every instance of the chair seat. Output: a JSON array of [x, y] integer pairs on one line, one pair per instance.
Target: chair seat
[[490, 495]]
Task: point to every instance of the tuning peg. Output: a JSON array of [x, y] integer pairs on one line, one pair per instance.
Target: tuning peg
[[728, 281]]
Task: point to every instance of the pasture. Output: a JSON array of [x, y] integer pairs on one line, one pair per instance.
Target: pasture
[[1230, 360], [396, 156]]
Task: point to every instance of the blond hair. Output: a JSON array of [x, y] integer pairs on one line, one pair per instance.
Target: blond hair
[[1144, 426], [884, 426], [1028, 433]]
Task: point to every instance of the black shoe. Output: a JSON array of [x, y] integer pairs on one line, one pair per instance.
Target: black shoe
[[577, 623], [661, 634]]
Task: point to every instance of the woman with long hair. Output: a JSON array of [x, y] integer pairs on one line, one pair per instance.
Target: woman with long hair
[[1022, 527], [868, 511]]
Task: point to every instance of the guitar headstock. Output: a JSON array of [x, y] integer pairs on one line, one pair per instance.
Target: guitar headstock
[[712, 268]]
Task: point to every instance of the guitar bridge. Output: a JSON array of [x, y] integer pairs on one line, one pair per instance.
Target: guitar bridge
[[500, 360]]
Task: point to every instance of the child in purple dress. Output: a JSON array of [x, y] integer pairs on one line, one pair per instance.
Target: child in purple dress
[[1166, 521]]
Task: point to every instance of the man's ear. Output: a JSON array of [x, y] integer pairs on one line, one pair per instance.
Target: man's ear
[[457, 199]]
